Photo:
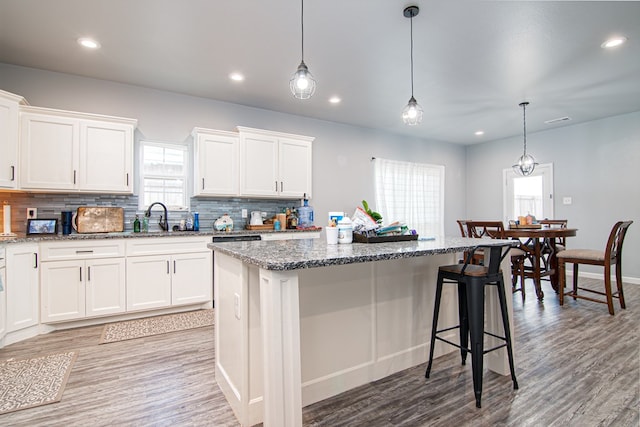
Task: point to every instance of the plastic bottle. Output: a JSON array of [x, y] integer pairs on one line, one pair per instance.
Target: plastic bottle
[[189, 222], [196, 221], [145, 224], [305, 214], [136, 225], [345, 230]]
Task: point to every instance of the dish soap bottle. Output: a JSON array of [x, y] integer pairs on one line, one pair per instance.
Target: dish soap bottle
[[136, 225]]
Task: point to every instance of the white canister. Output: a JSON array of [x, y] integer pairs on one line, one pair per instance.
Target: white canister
[[345, 230]]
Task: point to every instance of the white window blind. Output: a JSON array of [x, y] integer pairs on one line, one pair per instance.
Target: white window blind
[[163, 174], [412, 193]]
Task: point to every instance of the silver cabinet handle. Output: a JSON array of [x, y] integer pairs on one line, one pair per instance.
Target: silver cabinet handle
[[276, 185], [168, 267], [174, 266], [89, 251], [35, 260], [127, 179], [203, 183], [74, 176], [81, 274], [13, 173], [88, 274], [281, 186]]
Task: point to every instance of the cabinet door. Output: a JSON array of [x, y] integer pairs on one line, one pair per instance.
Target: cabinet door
[[294, 168], [105, 286], [106, 157], [63, 291], [8, 143], [258, 166], [216, 159], [148, 282], [192, 280], [49, 152], [23, 300], [3, 304]]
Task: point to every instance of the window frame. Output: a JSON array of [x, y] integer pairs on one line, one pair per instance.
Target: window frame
[[186, 166]]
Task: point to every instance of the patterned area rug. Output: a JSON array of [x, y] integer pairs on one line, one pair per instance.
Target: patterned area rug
[[139, 328], [25, 383]]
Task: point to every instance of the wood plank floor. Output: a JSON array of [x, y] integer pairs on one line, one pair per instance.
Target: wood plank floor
[[576, 366]]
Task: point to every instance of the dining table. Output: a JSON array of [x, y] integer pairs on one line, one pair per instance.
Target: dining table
[[539, 245]]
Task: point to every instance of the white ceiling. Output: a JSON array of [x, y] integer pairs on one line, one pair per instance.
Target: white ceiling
[[475, 61]]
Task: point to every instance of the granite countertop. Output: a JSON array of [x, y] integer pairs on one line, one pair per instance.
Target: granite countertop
[[23, 238], [308, 253]]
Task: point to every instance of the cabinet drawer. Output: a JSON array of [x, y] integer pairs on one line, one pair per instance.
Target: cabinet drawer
[[82, 250], [166, 245]]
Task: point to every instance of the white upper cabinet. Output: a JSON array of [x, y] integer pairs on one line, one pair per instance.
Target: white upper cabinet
[[274, 164], [9, 131], [68, 151], [216, 171]]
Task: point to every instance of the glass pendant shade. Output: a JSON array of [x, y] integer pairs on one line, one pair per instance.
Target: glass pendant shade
[[302, 83], [412, 113]]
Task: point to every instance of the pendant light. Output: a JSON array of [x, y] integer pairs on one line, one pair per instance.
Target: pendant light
[[412, 113], [302, 84], [526, 163]]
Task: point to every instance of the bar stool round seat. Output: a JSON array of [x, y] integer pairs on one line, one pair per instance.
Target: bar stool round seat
[[471, 280]]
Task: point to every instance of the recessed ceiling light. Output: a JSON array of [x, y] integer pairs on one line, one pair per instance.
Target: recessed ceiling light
[[613, 42], [479, 133], [236, 77], [88, 43], [335, 100]]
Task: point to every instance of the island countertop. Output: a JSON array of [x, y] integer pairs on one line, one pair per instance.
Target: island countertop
[[309, 253]]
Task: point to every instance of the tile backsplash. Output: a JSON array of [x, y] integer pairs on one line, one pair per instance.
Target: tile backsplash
[[50, 205]]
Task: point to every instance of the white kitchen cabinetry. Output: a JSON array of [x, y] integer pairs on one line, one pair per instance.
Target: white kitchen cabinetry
[[163, 272], [82, 279], [9, 131], [274, 164], [216, 163], [22, 286], [68, 151]]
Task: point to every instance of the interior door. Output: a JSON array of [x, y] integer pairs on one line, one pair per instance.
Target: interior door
[[531, 194]]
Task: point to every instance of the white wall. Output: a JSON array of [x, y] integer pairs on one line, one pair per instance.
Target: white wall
[[596, 163], [342, 170]]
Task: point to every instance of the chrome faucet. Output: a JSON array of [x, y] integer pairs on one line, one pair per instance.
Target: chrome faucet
[[163, 223]]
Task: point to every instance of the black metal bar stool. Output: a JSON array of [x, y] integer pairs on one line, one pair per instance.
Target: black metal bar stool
[[471, 280]]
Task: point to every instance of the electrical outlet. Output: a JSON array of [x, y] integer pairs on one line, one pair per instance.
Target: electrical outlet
[[244, 213], [32, 213]]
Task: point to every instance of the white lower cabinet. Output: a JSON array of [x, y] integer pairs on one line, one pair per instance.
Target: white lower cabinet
[[3, 295], [85, 288], [23, 302], [165, 272], [148, 282]]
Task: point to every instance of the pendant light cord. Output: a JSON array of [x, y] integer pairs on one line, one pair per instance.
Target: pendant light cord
[[302, 25], [412, 55], [524, 126]]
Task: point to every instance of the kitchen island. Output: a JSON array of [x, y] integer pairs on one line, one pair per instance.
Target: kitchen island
[[300, 321]]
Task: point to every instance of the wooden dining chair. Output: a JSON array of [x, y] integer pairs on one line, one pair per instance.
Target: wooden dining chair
[[495, 230], [610, 257]]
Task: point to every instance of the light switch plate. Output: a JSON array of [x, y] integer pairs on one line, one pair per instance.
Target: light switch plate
[[566, 200], [244, 213]]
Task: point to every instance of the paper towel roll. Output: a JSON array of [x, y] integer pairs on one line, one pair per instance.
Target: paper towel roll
[[6, 214]]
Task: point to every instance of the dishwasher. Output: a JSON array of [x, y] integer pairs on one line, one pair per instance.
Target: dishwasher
[[231, 238]]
